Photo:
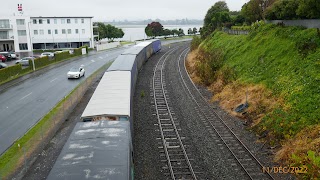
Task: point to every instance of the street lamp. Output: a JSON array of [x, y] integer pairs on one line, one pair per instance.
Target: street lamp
[[31, 46]]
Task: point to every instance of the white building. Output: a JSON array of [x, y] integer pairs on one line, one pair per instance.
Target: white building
[[17, 33]]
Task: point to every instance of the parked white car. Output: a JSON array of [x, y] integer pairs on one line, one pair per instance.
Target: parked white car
[[24, 61], [76, 72], [49, 54]]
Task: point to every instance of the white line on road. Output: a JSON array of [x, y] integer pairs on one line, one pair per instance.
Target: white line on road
[[26, 96], [53, 79]]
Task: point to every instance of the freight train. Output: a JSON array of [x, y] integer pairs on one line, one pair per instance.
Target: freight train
[[103, 149]]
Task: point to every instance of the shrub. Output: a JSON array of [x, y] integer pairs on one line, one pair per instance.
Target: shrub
[[196, 41], [209, 62], [62, 56]]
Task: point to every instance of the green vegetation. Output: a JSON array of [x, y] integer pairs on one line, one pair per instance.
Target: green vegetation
[[142, 93], [274, 57], [283, 60], [107, 31], [215, 18], [293, 9], [155, 29]]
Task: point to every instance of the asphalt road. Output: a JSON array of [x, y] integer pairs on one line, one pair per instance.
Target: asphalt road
[[24, 104]]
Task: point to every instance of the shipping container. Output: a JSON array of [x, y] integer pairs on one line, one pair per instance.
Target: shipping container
[[96, 150], [126, 63], [148, 48], [156, 45], [140, 53], [111, 99]]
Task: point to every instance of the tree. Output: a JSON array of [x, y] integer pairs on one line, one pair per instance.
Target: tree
[[282, 10], [309, 9], [190, 31], [175, 32], [108, 31], [215, 17], [181, 32], [154, 29], [195, 30], [254, 10], [166, 33]]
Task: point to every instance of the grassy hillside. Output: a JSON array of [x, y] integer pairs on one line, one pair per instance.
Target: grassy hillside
[[279, 67]]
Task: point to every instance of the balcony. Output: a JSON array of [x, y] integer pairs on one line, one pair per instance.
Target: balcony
[[5, 27], [6, 38]]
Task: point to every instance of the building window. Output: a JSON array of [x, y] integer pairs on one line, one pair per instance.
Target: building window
[[63, 31], [41, 32], [40, 21], [35, 32], [20, 21], [4, 23], [77, 31], [23, 46], [76, 21], [22, 32], [56, 31], [69, 31], [4, 35], [55, 21], [63, 21], [34, 21], [68, 21], [83, 31], [48, 21], [82, 20], [49, 31]]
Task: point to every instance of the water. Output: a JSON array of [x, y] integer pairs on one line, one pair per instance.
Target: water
[[136, 32]]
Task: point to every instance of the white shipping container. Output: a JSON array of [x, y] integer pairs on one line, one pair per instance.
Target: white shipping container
[[111, 99]]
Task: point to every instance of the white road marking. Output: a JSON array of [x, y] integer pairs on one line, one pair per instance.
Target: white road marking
[[53, 79], [100, 57], [92, 60], [26, 96]]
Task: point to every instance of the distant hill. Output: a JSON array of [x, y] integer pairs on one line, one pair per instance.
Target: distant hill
[[163, 22]]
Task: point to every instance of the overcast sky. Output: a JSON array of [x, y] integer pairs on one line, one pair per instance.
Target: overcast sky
[[117, 9]]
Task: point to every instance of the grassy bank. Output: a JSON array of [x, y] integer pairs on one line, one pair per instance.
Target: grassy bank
[[279, 68]]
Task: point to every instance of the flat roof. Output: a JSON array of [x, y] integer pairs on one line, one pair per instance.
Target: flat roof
[[112, 96], [123, 63], [95, 150]]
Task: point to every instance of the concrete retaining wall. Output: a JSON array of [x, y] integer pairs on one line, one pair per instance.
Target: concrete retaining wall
[[105, 46]]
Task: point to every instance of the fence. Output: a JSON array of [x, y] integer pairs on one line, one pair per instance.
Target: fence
[[20, 156], [235, 32]]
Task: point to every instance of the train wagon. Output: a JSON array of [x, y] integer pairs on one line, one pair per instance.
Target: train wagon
[[126, 63], [111, 99], [156, 45], [96, 150], [140, 52], [148, 48]]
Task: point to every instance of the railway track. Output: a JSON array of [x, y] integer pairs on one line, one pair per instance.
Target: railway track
[[173, 148], [243, 161]]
